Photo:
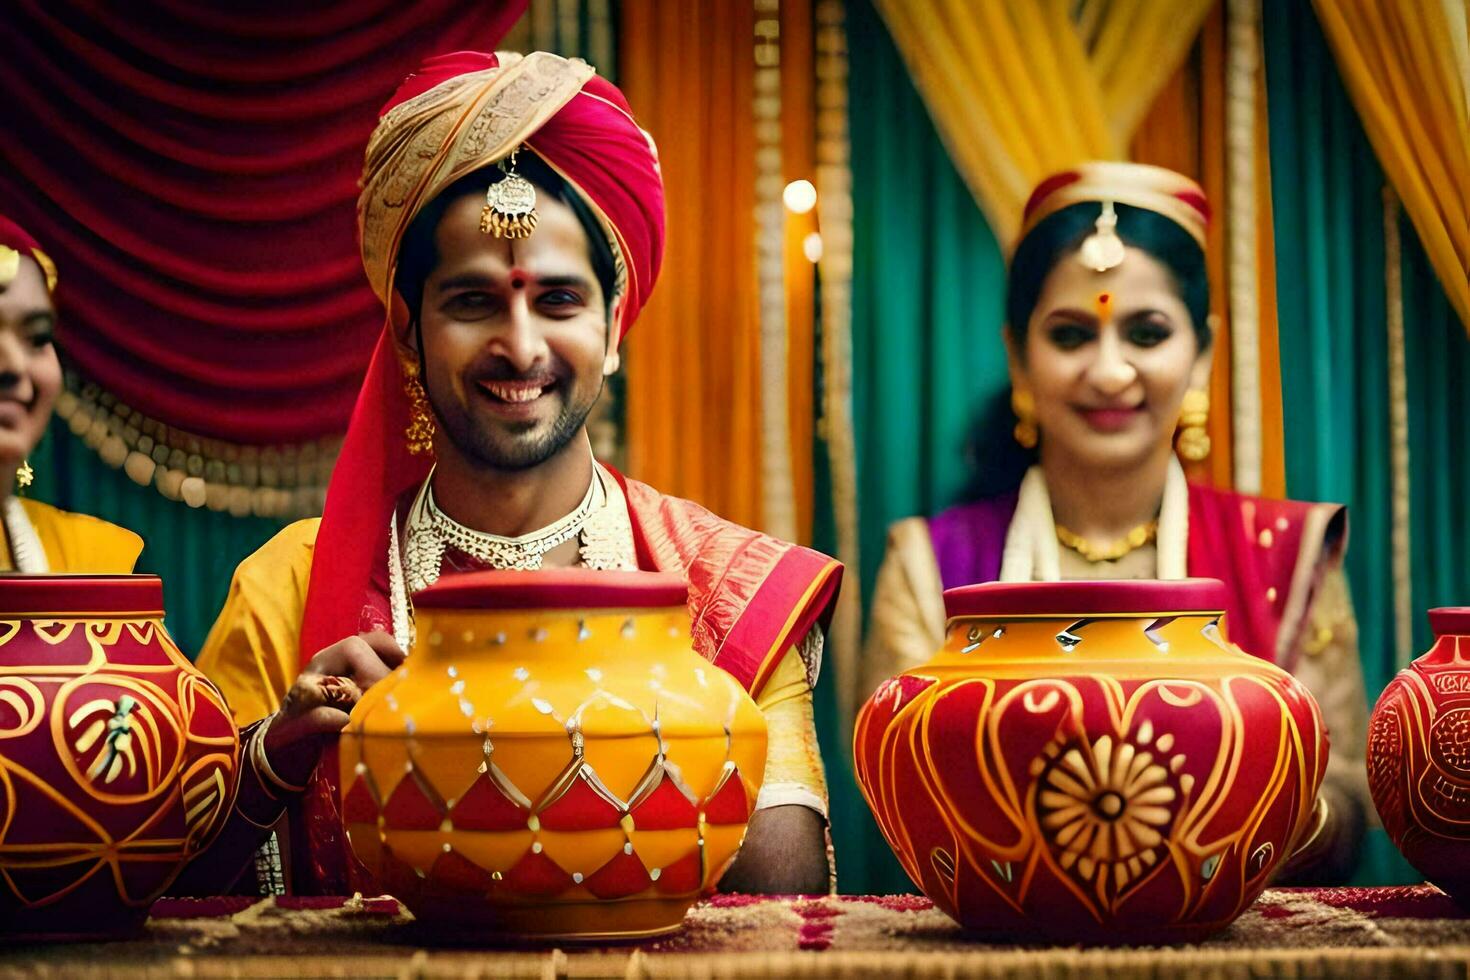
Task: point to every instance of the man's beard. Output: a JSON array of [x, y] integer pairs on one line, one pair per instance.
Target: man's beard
[[497, 449]]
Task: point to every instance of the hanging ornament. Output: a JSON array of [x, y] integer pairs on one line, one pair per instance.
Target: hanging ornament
[[510, 204], [1103, 249]]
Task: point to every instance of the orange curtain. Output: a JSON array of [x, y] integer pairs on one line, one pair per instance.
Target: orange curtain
[[798, 162], [693, 358]]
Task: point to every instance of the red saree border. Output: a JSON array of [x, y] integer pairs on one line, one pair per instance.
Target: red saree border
[[824, 576]]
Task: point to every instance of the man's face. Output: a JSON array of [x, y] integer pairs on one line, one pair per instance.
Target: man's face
[[515, 336]]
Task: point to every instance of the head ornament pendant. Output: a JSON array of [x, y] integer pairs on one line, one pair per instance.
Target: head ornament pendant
[[1103, 249], [510, 204]]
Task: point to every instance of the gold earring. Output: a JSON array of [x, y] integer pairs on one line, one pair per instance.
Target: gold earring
[[1194, 413], [1025, 408], [420, 431], [25, 476]]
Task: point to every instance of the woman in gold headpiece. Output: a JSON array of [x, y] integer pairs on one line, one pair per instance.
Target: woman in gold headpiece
[[1108, 343], [39, 538]]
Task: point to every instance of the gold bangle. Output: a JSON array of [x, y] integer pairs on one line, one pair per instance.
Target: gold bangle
[[262, 764]]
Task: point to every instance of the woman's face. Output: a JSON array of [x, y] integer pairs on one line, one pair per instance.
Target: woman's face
[[1108, 357], [30, 373]]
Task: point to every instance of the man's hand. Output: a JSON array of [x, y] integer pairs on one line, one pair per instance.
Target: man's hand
[[785, 853], [319, 701]]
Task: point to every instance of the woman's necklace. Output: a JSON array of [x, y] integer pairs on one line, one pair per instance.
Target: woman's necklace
[[1141, 535]]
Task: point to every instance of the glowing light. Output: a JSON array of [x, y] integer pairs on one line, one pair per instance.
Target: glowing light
[[811, 246], [800, 196]]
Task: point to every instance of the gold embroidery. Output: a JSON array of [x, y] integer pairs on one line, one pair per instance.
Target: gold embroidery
[[434, 138]]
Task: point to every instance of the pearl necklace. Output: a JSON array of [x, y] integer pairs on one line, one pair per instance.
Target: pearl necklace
[[431, 532], [604, 527]]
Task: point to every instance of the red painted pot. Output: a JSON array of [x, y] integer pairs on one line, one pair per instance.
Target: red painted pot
[[118, 760], [1091, 762], [1419, 756]]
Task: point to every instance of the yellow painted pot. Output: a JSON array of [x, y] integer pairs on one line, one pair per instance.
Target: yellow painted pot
[[553, 760]]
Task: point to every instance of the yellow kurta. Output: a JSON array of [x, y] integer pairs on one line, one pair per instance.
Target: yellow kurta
[[77, 544], [253, 654]]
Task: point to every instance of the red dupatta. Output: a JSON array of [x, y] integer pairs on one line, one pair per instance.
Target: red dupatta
[[1271, 554]]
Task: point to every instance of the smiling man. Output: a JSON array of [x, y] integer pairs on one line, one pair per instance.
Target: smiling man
[[511, 222]]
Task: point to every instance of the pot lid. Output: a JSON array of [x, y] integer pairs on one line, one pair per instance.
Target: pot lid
[[1450, 621], [80, 596], [1087, 598], [560, 588]]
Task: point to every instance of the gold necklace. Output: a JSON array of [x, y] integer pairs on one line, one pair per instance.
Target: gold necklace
[[1138, 537]]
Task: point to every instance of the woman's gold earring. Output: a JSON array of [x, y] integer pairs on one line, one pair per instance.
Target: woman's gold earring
[[420, 431], [25, 476], [1025, 408], [1194, 414]]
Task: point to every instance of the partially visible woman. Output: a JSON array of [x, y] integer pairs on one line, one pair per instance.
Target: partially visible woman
[[1108, 343], [38, 537]]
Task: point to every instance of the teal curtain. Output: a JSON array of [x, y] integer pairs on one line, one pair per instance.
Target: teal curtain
[[928, 300], [1327, 192], [194, 551]]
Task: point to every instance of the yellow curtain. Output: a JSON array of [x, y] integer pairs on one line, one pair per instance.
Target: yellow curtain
[[1020, 89], [693, 358], [1406, 64], [1184, 130]]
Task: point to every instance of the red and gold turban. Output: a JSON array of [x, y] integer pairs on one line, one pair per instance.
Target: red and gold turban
[[1165, 192], [15, 243], [459, 113]]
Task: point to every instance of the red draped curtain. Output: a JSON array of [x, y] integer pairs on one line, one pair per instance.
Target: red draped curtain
[[193, 170]]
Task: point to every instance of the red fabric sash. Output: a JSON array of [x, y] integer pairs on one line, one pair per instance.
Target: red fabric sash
[[750, 597], [1255, 546]]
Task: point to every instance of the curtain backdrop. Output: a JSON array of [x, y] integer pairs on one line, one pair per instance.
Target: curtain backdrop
[[1407, 67], [1334, 356], [693, 360], [213, 110], [1021, 89], [194, 551], [193, 171], [928, 364]]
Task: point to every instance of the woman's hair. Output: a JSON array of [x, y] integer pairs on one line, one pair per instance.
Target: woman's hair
[[419, 253], [1060, 235]]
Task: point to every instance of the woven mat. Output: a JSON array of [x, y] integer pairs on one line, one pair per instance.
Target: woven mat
[[1342, 932]]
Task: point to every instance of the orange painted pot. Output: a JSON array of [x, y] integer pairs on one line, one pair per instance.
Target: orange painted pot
[[118, 759], [1091, 762], [553, 760], [1419, 756]]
